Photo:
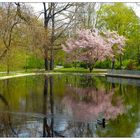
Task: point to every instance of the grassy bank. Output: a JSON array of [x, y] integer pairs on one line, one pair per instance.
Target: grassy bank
[[79, 70], [5, 75]]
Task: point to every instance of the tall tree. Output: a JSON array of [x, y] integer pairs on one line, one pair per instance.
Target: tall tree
[[121, 18], [8, 22], [56, 22]]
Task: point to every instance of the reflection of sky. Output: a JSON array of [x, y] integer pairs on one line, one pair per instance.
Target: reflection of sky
[[60, 125], [127, 81], [31, 128], [137, 132]]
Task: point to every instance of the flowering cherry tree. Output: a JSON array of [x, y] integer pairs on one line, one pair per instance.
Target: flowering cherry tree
[[90, 46]]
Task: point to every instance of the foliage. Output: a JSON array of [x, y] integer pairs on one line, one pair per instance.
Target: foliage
[[90, 46], [22, 36], [131, 65], [123, 19], [34, 62], [103, 65], [67, 65], [83, 65]]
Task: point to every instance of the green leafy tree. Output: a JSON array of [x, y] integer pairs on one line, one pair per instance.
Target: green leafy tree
[[121, 18]]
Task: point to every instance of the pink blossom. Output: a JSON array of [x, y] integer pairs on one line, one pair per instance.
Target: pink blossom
[[91, 46]]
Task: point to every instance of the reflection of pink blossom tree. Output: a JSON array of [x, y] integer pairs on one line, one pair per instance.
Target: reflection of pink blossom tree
[[89, 46], [87, 104]]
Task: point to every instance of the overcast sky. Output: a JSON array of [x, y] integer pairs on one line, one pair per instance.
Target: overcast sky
[[39, 7]]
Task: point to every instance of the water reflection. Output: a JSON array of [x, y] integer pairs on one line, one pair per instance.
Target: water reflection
[[88, 103], [5, 120], [67, 106], [48, 129], [127, 81]]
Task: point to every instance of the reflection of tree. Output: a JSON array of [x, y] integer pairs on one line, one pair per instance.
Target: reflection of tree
[[83, 103], [48, 128], [88, 81], [5, 120], [88, 103], [14, 124], [125, 125]]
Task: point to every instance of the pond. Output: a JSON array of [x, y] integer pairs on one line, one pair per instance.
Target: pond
[[67, 105]]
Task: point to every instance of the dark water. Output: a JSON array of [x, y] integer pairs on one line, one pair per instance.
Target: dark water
[[69, 106]]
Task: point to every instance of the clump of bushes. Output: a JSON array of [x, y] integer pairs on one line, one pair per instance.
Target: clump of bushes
[[138, 68], [67, 65], [117, 65], [103, 65], [83, 65], [130, 64], [107, 64], [34, 62]]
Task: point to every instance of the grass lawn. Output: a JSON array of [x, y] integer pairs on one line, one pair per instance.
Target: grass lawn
[[57, 70], [79, 70]]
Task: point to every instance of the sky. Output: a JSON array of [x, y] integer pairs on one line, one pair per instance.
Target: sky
[[39, 7]]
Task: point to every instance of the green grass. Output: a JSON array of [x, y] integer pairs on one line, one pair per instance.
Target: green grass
[[79, 70], [6, 74], [63, 70]]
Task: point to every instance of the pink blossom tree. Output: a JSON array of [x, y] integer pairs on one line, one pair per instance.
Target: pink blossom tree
[[90, 46]]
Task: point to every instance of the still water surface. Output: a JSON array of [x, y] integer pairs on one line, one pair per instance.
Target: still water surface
[[69, 106]]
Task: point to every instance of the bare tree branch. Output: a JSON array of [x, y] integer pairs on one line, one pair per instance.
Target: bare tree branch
[[3, 53], [67, 6]]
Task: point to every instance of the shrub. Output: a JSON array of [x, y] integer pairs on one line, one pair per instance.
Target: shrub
[[104, 65], [117, 65], [83, 65], [67, 65], [138, 68], [130, 64], [34, 62]]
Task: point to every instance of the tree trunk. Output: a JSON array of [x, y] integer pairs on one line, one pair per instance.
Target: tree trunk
[[51, 63], [8, 67], [113, 63], [120, 61], [91, 68], [46, 21], [46, 64], [52, 39]]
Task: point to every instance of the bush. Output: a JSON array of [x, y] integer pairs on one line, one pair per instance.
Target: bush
[[117, 65], [67, 65], [34, 62], [138, 68], [125, 63], [83, 65], [132, 65], [104, 65]]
